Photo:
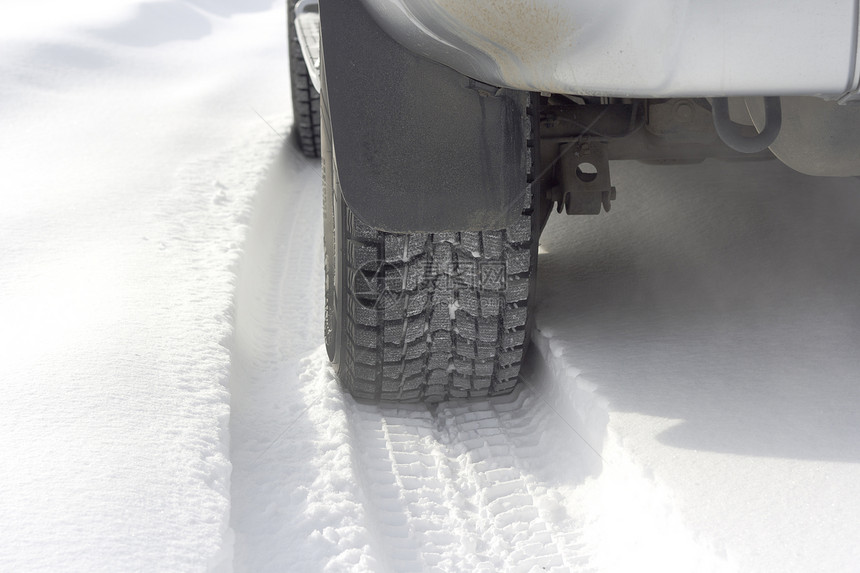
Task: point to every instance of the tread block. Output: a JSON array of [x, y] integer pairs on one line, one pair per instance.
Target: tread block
[[441, 342], [442, 295], [468, 276], [481, 383], [510, 357], [360, 230], [434, 393], [438, 360], [492, 276], [493, 244], [391, 386], [470, 241], [517, 261], [513, 339], [394, 306], [411, 395], [485, 350], [362, 336], [412, 384], [488, 329], [490, 305], [415, 273], [466, 348], [516, 290], [503, 387], [447, 237], [515, 317], [415, 328], [467, 301], [392, 353], [391, 279], [417, 303], [366, 356], [392, 332], [417, 245], [404, 248], [362, 372], [440, 318], [443, 259], [365, 388], [392, 371], [465, 326], [408, 330], [512, 371], [463, 366], [438, 377], [413, 367], [521, 231], [461, 382], [395, 248], [361, 314], [362, 255], [416, 349], [484, 369]]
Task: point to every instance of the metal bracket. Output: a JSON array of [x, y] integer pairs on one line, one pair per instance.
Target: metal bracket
[[585, 178]]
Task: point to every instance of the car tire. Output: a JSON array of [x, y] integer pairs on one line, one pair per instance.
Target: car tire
[[425, 317], [306, 99]]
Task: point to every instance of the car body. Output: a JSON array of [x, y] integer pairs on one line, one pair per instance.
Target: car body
[[630, 49]]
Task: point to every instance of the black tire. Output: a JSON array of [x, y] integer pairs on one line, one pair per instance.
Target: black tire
[[426, 316], [306, 99]]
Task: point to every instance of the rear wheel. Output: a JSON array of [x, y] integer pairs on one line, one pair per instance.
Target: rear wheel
[[425, 316], [306, 99]]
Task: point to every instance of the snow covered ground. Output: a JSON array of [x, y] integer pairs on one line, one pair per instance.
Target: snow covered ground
[[691, 403], [130, 154]]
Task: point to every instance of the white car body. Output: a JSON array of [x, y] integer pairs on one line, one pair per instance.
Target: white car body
[[644, 49]]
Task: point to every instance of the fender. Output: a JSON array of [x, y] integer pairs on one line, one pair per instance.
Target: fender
[[418, 146]]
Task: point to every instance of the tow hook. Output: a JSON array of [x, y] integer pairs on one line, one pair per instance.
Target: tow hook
[[732, 133]]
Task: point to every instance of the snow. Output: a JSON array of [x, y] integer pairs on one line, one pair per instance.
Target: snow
[[128, 178], [690, 402], [715, 314]]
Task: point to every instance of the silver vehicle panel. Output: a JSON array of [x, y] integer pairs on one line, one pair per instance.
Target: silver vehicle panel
[[628, 48]]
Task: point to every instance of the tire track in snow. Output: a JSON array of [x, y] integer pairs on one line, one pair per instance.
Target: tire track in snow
[[479, 486]]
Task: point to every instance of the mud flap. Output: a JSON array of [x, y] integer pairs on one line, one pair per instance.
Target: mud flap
[[418, 146]]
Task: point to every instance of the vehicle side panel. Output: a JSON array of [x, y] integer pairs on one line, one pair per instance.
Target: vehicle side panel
[[631, 48]]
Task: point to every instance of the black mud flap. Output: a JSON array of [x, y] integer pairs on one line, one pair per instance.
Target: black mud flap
[[418, 146]]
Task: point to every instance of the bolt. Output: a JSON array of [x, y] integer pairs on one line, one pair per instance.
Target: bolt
[[684, 111]]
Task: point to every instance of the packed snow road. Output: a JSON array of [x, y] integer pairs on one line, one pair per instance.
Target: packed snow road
[[690, 403]]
